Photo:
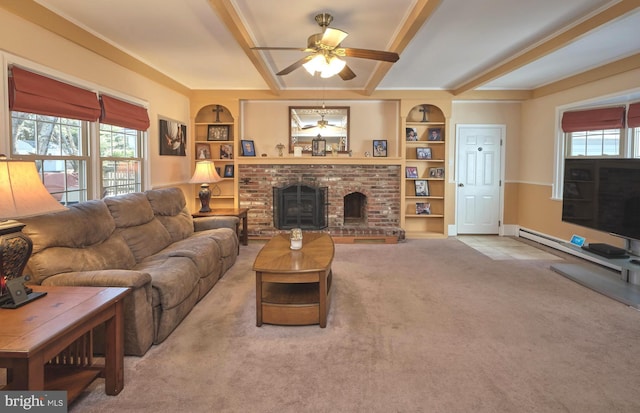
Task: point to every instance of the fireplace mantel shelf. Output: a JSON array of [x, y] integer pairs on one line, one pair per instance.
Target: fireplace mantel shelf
[[317, 160]]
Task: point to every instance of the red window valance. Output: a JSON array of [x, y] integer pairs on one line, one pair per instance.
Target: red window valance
[[119, 113], [33, 93], [593, 119], [633, 117]]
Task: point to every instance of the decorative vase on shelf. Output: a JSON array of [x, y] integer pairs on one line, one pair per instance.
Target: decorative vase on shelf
[[296, 238]]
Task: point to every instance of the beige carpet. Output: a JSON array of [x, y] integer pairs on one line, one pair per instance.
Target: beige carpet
[[422, 326]]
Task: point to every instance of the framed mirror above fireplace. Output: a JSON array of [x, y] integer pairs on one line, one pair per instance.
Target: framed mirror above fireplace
[[330, 123]]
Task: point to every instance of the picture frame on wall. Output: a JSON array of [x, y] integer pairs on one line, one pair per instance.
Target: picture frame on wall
[[203, 151], [248, 148], [226, 151], [411, 171], [423, 153], [218, 133], [228, 171], [173, 137], [422, 187], [380, 148]]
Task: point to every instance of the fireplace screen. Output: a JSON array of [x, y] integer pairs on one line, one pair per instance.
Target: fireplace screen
[[300, 206]]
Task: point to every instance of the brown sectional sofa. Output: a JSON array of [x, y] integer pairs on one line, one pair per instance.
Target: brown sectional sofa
[[145, 241]]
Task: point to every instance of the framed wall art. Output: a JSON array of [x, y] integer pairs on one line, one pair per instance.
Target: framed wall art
[[173, 137]]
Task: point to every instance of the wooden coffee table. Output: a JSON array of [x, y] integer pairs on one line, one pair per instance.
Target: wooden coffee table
[[48, 345], [293, 287]]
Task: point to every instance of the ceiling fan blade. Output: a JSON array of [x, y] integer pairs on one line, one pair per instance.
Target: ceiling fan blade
[[333, 37], [369, 54], [294, 66], [346, 73]]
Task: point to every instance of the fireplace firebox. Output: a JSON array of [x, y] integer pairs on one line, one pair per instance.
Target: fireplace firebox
[[300, 206]]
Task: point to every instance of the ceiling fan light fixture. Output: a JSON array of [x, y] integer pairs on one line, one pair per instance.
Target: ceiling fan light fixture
[[326, 66], [316, 64], [334, 67]]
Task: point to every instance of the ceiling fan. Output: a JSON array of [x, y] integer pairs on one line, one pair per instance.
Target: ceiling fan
[[325, 52]]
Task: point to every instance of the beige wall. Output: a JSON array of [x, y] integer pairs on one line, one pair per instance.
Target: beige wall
[[36, 48]]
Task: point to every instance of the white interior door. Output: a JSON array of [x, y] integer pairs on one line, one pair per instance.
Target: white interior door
[[478, 195]]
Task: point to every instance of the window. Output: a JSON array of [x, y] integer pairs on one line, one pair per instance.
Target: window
[[86, 145], [606, 142], [59, 148], [120, 160]]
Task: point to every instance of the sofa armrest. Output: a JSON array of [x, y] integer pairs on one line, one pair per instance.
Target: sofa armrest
[[205, 223], [101, 278]]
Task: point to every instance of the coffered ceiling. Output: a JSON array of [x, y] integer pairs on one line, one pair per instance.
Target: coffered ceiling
[[454, 45]]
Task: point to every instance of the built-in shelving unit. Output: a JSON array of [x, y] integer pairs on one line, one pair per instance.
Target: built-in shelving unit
[[214, 139], [425, 160]]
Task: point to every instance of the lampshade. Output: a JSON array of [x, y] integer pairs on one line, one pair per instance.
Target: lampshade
[[205, 173], [22, 192]]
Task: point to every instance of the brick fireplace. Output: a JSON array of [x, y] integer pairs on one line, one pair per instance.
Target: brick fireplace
[[362, 199]]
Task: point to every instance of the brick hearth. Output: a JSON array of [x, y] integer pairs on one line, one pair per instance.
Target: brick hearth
[[379, 183]]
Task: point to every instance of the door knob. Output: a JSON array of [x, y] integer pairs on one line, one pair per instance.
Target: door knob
[[460, 185]]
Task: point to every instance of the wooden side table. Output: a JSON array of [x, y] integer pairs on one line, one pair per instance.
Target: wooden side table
[[241, 213], [33, 336]]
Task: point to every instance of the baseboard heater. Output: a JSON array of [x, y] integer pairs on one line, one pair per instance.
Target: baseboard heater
[[601, 280], [561, 245]]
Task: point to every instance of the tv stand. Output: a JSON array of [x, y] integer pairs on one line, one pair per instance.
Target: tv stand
[[619, 286]]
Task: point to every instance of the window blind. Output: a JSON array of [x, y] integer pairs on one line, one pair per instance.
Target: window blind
[[33, 93], [120, 113], [593, 119]]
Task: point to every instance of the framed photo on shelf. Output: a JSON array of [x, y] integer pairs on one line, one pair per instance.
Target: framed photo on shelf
[[203, 151], [248, 149], [435, 134], [436, 173], [423, 153], [422, 187], [380, 148], [319, 147], [423, 208], [218, 133], [411, 171], [226, 151], [228, 171], [218, 171], [412, 134]]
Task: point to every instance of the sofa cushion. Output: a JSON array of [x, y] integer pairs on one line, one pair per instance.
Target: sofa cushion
[[173, 279], [203, 252], [137, 225], [170, 208], [226, 239], [81, 238], [69, 228]]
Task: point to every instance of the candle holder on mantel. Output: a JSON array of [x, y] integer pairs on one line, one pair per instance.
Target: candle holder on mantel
[[296, 239]]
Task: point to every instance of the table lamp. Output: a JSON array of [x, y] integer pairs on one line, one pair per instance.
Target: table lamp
[[204, 175], [23, 195]]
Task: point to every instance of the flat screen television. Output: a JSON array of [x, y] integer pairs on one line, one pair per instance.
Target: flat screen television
[[603, 194]]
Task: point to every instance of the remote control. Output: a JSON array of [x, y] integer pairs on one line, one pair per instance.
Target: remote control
[[635, 261]]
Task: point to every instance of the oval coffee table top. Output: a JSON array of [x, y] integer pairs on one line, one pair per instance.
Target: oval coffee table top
[[316, 254]]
